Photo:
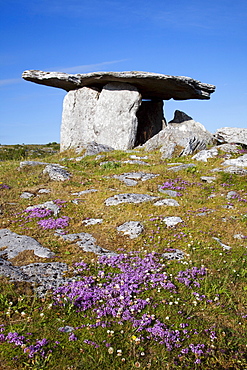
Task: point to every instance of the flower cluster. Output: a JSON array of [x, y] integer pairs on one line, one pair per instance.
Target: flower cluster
[[54, 223], [175, 184], [4, 186]]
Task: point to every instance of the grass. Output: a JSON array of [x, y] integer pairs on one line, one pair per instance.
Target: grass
[[136, 310]]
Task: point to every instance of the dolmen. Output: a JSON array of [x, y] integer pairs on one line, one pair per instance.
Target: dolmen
[[119, 109]]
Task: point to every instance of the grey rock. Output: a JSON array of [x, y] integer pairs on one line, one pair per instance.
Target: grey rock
[[229, 148], [225, 247], [87, 242], [181, 167], [92, 221], [131, 178], [231, 169], [66, 329], [239, 162], [12, 272], [136, 162], [171, 193], [180, 117], [79, 107], [128, 198], [172, 221], [31, 163], [167, 202], [115, 122], [239, 236], [204, 155], [193, 145], [94, 148], [57, 173], [16, 244], [47, 205], [44, 191], [174, 254], [138, 157], [168, 150], [231, 135], [88, 191], [208, 179], [231, 194], [26, 195], [150, 85], [188, 134], [131, 228]]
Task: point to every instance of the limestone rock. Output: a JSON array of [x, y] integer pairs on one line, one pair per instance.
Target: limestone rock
[[173, 254], [77, 127], [16, 244], [87, 242], [231, 135], [204, 155], [172, 221], [115, 121], [128, 198], [167, 202], [131, 228], [93, 148], [190, 134], [56, 172], [180, 117], [150, 85], [131, 178], [239, 162]]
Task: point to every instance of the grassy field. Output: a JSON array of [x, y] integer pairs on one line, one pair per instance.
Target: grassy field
[[136, 309]]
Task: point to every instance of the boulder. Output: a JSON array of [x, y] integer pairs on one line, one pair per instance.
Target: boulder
[[131, 228], [231, 135], [190, 135], [150, 85], [115, 121]]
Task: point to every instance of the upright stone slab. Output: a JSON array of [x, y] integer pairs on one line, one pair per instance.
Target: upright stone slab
[[115, 122], [77, 127]]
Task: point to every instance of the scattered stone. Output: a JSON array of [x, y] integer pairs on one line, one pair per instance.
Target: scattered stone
[[131, 228], [231, 194], [87, 242], [57, 172], [231, 135], [167, 202], [173, 254], [79, 193], [130, 178], [239, 236], [204, 155], [231, 169], [128, 198], [26, 195], [227, 206], [194, 145], [47, 205], [171, 193], [31, 163], [239, 162], [225, 247], [136, 162], [137, 157], [44, 191], [181, 167], [66, 329], [208, 179], [94, 148], [16, 244], [172, 221], [92, 221]]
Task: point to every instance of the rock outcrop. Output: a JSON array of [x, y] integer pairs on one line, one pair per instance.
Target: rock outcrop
[[231, 135], [187, 134]]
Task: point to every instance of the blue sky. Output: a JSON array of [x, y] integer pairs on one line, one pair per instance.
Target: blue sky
[[205, 40]]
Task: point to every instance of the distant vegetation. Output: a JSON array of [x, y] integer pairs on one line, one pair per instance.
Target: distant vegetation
[[21, 152]]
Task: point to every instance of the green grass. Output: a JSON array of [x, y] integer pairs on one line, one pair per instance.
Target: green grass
[[213, 312]]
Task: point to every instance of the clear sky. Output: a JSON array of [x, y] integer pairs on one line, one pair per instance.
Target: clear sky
[[202, 39]]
